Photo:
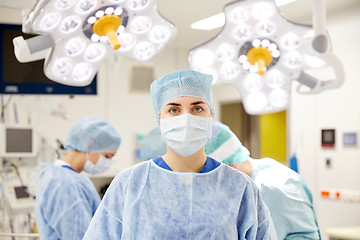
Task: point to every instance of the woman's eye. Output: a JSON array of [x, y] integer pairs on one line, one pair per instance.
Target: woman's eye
[[173, 110], [198, 109]]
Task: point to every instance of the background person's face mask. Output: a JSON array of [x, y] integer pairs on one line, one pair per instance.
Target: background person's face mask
[[101, 166], [186, 134]]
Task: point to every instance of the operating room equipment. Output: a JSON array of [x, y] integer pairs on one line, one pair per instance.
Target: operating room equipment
[[76, 36], [17, 147], [349, 195], [17, 140], [18, 198], [16, 202], [259, 52]]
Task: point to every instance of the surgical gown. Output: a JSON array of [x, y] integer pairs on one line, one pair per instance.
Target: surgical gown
[[288, 198], [149, 202], [65, 204]]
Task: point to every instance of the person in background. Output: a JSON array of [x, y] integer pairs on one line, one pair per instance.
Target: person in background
[[284, 191], [65, 199], [183, 194]]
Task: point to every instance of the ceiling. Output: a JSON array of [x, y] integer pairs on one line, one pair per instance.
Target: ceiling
[[184, 12]]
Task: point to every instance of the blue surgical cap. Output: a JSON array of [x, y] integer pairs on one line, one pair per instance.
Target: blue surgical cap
[[152, 146], [178, 84], [93, 135], [224, 146]]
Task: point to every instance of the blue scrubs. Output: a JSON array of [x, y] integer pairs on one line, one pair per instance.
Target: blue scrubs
[[210, 164], [147, 201], [65, 203]]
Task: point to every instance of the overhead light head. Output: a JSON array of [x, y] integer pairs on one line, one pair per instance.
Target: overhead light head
[[260, 52], [85, 32]]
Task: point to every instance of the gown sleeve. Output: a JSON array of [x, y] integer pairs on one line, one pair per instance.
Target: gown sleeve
[[107, 221], [68, 207], [74, 221], [254, 220]]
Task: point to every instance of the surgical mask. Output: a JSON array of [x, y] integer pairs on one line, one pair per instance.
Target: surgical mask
[[101, 166], [186, 134]]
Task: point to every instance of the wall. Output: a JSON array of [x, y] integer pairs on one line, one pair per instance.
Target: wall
[[273, 136], [336, 109]]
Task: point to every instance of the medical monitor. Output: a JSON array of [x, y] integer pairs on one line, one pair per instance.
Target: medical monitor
[[17, 141]]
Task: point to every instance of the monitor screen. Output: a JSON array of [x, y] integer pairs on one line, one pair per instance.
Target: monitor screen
[[21, 192], [18, 140], [28, 78]]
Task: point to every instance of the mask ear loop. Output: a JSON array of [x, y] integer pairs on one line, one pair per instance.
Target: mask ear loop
[[88, 159]]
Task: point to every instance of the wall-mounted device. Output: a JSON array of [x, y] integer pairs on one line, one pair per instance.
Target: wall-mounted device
[[350, 139], [17, 141], [328, 138]]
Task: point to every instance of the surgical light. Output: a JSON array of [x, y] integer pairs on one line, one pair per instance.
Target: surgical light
[[62, 66], [237, 15], [77, 35], [75, 46], [242, 32], [50, 21], [64, 4], [229, 70], [260, 52], [94, 52], [225, 52]]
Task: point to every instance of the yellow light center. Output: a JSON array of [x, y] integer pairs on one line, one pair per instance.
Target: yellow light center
[[261, 57], [107, 26]]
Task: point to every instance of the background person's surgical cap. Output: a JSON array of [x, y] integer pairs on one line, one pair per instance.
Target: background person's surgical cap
[[93, 135], [152, 146], [178, 84], [224, 146]]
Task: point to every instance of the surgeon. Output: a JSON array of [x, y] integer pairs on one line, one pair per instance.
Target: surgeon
[[284, 191], [66, 200], [183, 194]]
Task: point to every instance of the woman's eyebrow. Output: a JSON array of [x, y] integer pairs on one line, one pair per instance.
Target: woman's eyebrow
[[173, 104], [198, 102]]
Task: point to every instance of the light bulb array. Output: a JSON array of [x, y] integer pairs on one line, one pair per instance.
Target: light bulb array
[[85, 32], [259, 52]]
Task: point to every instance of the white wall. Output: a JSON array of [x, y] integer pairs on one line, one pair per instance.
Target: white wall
[[338, 109]]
